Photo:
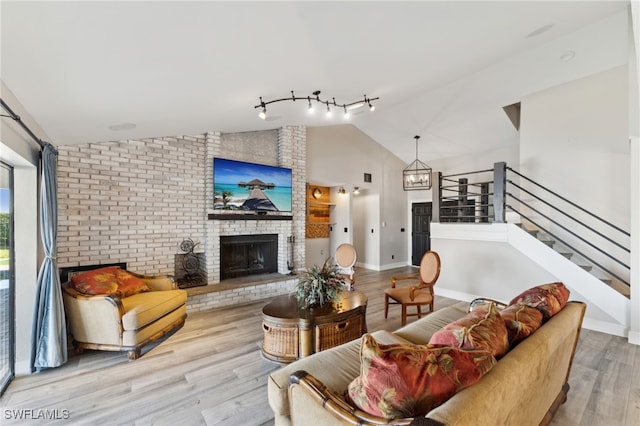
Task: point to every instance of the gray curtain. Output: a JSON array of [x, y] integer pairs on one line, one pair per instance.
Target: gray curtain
[[49, 346]]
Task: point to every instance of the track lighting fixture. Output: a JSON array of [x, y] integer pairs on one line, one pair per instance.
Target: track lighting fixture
[[316, 98]]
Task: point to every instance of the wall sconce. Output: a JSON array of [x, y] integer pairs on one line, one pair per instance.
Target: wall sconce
[[341, 190], [346, 107], [356, 190], [416, 175]]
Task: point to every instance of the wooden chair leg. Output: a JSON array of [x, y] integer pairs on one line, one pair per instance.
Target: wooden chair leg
[[404, 315], [386, 306], [419, 312]]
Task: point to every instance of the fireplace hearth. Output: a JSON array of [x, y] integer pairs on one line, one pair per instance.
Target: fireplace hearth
[[244, 255]]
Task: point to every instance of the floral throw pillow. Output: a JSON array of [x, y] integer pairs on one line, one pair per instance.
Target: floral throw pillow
[[547, 298], [521, 322], [404, 380], [129, 284], [482, 328], [96, 281]]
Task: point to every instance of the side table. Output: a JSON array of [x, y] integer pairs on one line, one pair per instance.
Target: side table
[[290, 332]]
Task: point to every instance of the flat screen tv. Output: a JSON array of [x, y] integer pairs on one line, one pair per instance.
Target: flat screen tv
[[250, 187]]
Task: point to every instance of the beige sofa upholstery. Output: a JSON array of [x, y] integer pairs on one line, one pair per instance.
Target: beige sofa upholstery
[[525, 387], [125, 324]]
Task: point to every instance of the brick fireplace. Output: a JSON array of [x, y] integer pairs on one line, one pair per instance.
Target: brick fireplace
[[285, 147]]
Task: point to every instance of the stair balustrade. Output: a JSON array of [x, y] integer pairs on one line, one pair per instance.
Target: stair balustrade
[[485, 196]]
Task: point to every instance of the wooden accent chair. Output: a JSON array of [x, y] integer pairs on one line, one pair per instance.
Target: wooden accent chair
[[416, 295], [345, 259]]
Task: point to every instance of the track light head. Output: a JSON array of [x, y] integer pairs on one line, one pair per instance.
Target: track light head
[[263, 114]]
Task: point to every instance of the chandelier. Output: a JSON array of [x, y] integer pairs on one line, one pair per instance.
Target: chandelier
[[315, 99], [416, 175]]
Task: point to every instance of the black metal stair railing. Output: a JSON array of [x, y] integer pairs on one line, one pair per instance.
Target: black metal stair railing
[[460, 200], [484, 196], [554, 217]]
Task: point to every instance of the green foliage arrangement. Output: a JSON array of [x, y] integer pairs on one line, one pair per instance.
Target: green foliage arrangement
[[319, 285]]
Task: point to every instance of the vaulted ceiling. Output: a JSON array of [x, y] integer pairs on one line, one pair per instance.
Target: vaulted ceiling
[[100, 71]]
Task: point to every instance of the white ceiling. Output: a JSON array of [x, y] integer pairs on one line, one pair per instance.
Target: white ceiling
[[442, 70]]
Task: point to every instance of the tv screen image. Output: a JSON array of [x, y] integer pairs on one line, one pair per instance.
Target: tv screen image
[[238, 185]]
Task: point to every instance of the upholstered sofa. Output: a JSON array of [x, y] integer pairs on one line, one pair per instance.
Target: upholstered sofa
[[117, 322], [525, 387]]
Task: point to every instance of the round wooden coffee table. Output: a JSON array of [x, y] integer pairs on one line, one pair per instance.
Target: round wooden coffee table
[[291, 332]]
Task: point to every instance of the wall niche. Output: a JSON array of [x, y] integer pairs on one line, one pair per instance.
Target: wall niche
[[319, 205]]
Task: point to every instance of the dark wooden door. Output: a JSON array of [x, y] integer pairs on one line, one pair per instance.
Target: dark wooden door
[[420, 235]]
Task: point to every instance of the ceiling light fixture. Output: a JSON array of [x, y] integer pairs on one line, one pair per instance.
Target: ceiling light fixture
[[567, 56], [416, 175], [540, 30], [122, 126], [316, 98]]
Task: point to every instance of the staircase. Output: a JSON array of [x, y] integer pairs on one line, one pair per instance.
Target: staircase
[[576, 259]]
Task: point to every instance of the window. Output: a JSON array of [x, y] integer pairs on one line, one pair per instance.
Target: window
[[7, 278]]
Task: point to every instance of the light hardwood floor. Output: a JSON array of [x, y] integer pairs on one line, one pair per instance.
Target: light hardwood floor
[[211, 372]]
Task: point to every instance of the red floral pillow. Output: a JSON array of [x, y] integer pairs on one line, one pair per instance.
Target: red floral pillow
[[547, 298], [521, 322], [404, 380], [482, 328], [96, 281], [129, 284]]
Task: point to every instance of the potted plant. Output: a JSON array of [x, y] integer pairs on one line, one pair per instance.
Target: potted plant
[[318, 286]]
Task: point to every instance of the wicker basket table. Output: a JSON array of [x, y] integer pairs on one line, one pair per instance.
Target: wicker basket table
[[291, 332]]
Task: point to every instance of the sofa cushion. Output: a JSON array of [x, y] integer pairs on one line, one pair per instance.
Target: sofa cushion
[[547, 298], [129, 284], [342, 362], [521, 321], [101, 281], [144, 308], [406, 380], [482, 328], [419, 332]]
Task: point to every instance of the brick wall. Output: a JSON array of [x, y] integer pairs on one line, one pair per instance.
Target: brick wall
[[134, 201], [130, 201]]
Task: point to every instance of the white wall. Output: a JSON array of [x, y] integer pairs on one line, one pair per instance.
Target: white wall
[[339, 156], [20, 151], [634, 142], [574, 140], [484, 262]]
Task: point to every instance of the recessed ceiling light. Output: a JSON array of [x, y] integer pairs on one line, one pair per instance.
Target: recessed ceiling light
[[123, 126], [568, 55], [540, 30]]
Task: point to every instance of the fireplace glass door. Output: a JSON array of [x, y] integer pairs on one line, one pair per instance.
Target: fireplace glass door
[[248, 255]]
